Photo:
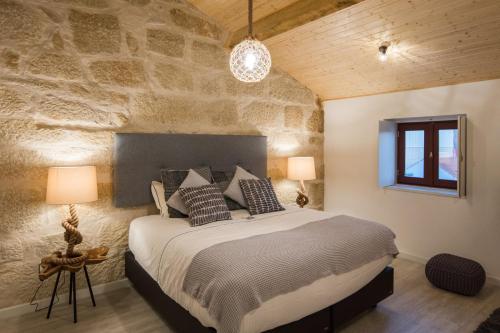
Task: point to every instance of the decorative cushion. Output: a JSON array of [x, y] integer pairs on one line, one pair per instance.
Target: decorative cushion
[[222, 179], [193, 179], [205, 204], [233, 190], [456, 274], [158, 193], [172, 179], [260, 196]]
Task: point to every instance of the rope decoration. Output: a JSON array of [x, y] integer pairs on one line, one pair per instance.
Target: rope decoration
[[72, 235], [72, 257]]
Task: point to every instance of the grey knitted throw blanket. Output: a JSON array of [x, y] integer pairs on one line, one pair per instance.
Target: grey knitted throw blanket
[[231, 279]]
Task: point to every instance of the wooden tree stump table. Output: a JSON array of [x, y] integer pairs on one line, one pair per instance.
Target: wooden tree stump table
[[92, 257]]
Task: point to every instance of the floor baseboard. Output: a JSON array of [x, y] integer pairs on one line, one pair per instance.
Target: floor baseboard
[[489, 279], [83, 293], [411, 257]]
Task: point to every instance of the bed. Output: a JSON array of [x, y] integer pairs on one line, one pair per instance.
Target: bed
[[161, 249]]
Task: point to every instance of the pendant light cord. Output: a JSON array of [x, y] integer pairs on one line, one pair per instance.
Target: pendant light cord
[[250, 18]]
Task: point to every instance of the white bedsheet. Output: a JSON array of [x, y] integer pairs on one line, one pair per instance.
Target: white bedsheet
[[165, 247]]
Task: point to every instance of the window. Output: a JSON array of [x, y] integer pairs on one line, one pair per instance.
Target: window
[[428, 154], [424, 154]]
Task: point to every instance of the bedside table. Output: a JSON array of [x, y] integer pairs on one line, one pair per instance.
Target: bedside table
[[94, 256]]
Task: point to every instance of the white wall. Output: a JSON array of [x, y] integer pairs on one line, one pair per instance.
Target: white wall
[[424, 224]]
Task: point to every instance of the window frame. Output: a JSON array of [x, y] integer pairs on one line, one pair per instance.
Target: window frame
[[431, 153], [401, 155], [442, 183]]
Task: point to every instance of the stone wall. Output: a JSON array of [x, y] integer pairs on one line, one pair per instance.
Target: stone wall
[[74, 72]]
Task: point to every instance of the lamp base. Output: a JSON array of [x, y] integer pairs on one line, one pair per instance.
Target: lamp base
[[72, 260], [302, 199]]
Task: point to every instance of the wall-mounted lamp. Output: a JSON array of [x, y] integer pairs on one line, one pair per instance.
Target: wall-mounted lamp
[[382, 52]]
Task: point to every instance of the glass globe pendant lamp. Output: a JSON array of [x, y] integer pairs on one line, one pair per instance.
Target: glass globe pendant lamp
[[250, 61]]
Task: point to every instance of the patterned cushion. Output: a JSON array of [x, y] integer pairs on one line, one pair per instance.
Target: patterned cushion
[[259, 195], [172, 179], [205, 204], [222, 179]]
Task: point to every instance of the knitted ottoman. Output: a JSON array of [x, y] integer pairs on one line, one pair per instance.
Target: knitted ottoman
[[456, 274]]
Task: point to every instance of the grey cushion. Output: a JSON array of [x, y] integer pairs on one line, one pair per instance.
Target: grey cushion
[[260, 196], [172, 179], [233, 191], [205, 204], [193, 179], [222, 179]]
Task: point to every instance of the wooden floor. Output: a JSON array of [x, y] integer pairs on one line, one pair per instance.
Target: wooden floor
[[415, 307]]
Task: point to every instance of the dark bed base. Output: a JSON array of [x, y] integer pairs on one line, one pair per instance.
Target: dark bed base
[[326, 320]]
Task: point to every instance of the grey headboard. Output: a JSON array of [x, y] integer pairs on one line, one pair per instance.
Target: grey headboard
[[138, 158]]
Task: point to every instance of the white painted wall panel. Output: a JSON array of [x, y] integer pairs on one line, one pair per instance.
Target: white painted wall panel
[[425, 224]]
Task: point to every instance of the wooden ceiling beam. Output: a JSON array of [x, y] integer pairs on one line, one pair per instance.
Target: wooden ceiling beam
[[292, 16]]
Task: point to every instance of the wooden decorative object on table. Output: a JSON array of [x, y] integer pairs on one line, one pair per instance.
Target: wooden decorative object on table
[[301, 168]]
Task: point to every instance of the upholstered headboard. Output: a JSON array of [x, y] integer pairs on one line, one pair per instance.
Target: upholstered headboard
[[138, 158]]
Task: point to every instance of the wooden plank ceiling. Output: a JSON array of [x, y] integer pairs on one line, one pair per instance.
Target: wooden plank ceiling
[[432, 43], [233, 14]]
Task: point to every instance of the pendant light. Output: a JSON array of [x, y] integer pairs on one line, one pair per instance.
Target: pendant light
[[250, 61]]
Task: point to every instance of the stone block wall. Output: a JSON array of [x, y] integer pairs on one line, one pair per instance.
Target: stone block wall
[[74, 72]]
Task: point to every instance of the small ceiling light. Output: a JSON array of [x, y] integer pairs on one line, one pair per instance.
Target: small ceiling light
[[382, 52], [250, 61]]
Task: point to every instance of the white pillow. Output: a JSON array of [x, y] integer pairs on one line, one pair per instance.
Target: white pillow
[[233, 190], [158, 192], [193, 179]]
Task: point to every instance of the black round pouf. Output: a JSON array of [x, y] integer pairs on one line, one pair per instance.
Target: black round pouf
[[456, 274]]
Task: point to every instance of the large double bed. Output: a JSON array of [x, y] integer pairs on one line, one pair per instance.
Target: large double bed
[[319, 270]]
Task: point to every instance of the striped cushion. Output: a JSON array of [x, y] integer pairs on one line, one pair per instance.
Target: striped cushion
[[172, 179], [205, 204], [259, 195]]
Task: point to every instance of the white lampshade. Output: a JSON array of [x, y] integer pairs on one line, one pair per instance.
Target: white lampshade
[[71, 185], [301, 168]]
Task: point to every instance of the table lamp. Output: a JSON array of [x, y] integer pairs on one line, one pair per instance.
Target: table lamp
[[70, 186], [301, 168]]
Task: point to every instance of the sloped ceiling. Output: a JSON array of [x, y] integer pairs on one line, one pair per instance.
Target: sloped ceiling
[[233, 14], [432, 43]]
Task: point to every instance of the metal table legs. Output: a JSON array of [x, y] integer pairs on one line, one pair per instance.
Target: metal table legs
[[53, 294], [72, 292]]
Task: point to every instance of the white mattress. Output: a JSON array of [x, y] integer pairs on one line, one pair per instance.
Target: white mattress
[[164, 247]]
